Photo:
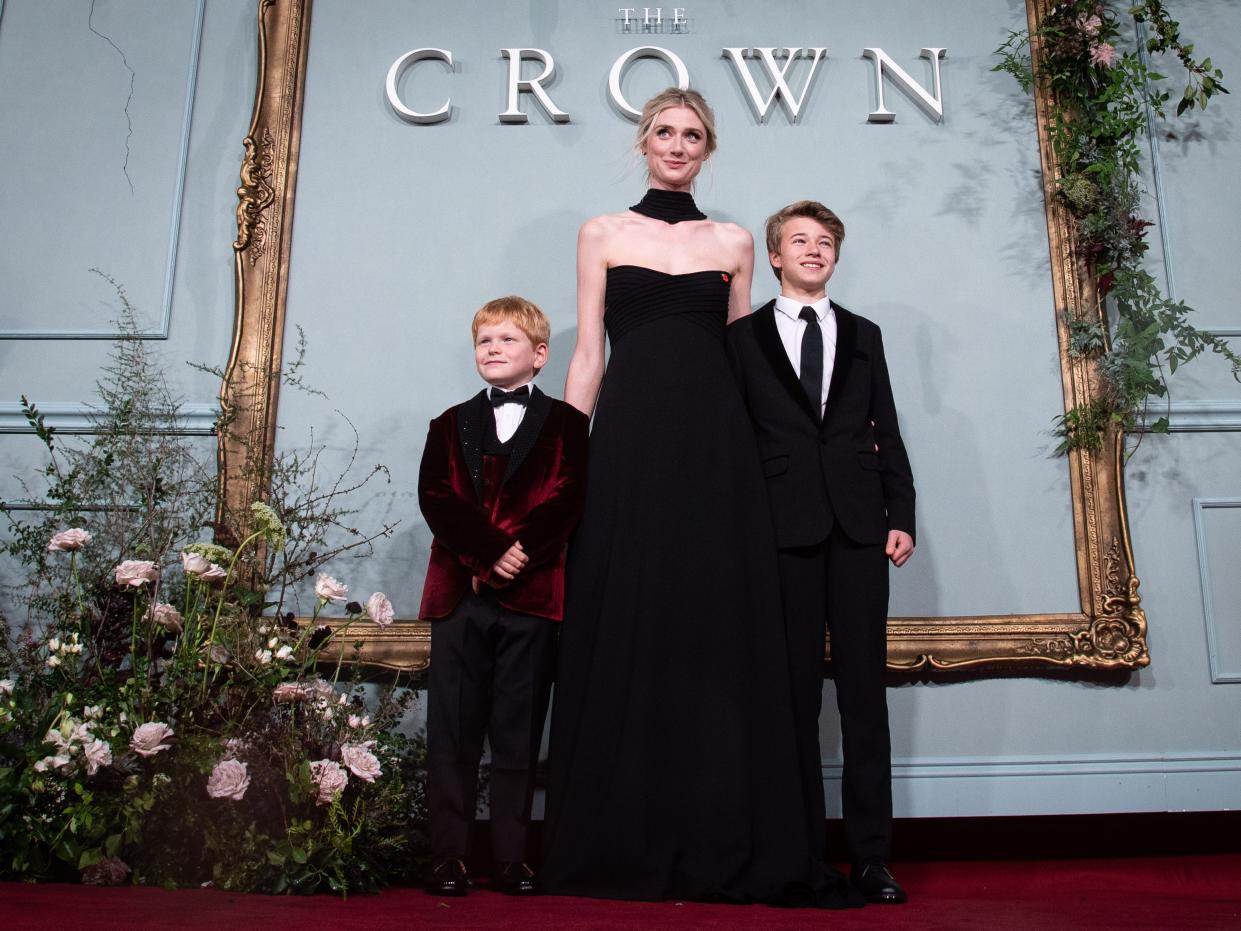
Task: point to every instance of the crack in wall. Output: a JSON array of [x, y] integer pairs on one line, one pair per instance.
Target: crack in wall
[[90, 24]]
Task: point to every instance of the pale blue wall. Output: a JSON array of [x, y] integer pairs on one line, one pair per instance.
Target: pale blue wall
[[402, 231]]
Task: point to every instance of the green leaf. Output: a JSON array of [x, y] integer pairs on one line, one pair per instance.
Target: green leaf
[[1159, 426]]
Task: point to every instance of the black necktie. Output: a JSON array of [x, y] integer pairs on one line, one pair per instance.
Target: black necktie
[[516, 396], [812, 360]]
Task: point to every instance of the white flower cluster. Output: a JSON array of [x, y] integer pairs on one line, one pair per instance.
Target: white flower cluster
[[59, 650], [274, 649], [71, 740]]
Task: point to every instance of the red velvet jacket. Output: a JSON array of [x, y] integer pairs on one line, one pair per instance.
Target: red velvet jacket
[[541, 497]]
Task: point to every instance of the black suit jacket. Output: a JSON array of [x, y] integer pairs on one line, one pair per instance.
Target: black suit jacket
[[821, 474]]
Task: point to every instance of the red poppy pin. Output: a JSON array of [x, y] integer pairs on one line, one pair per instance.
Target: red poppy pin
[[724, 276]]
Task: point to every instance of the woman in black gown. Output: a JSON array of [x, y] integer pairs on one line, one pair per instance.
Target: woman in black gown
[[673, 768]]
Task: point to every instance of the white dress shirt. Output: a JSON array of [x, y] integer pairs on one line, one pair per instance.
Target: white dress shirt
[[509, 416], [791, 326]]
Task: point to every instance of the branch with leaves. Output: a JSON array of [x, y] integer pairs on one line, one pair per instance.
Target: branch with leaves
[[1100, 93]]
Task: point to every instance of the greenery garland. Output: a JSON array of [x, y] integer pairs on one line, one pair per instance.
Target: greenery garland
[[1100, 97]]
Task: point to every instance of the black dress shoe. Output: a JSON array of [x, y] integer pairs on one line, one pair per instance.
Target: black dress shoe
[[874, 880], [514, 879], [448, 877]]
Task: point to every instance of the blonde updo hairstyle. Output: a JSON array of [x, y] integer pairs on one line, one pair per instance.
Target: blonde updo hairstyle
[[675, 97]]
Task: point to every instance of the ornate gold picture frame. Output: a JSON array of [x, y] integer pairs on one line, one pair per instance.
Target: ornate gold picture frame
[[1109, 630]]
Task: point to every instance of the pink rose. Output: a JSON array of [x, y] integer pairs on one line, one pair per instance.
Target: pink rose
[[328, 589], [361, 762], [148, 739], [290, 691], [1103, 54], [214, 574], [98, 753], [194, 564], [166, 616], [68, 540], [229, 779], [379, 609], [110, 871], [331, 779], [136, 572], [199, 567]]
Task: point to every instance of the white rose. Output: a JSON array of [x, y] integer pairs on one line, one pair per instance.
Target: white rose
[[214, 573], [193, 564], [229, 779], [68, 540], [328, 589], [284, 652], [166, 616], [98, 753], [149, 738], [331, 779], [134, 573], [379, 609], [361, 762]]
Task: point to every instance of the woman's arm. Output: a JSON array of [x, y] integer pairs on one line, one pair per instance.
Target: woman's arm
[[581, 387], [739, 296]]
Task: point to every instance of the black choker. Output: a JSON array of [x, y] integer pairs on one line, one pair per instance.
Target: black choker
[[669, 206]]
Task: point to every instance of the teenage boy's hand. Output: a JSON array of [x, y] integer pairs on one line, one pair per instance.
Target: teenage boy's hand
[[900, 547]]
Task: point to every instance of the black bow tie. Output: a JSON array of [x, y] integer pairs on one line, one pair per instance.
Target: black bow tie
[[516, 396]]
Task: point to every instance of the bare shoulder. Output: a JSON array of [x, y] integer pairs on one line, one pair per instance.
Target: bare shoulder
[[602, 227], [732, 235]]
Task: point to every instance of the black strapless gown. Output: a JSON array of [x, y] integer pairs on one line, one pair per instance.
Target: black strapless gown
[[673, 762]]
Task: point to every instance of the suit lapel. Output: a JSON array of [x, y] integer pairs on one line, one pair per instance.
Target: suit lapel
[[537, 409], [768, 339], [846, 342], [470, 435]]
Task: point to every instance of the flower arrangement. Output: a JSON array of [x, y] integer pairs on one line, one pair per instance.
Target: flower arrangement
[[163, 718], [1100, 93]]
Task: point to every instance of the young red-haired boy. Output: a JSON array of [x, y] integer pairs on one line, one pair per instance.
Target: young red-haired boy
[[501, 487]]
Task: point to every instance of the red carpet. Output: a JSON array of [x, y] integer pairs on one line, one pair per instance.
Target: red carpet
[[1125, 894]]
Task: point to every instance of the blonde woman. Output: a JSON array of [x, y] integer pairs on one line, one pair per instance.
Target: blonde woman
[[673, 766]]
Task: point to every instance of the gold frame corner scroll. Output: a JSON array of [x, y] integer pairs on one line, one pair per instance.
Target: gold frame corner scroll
[[1107, 633], [250, 387]]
